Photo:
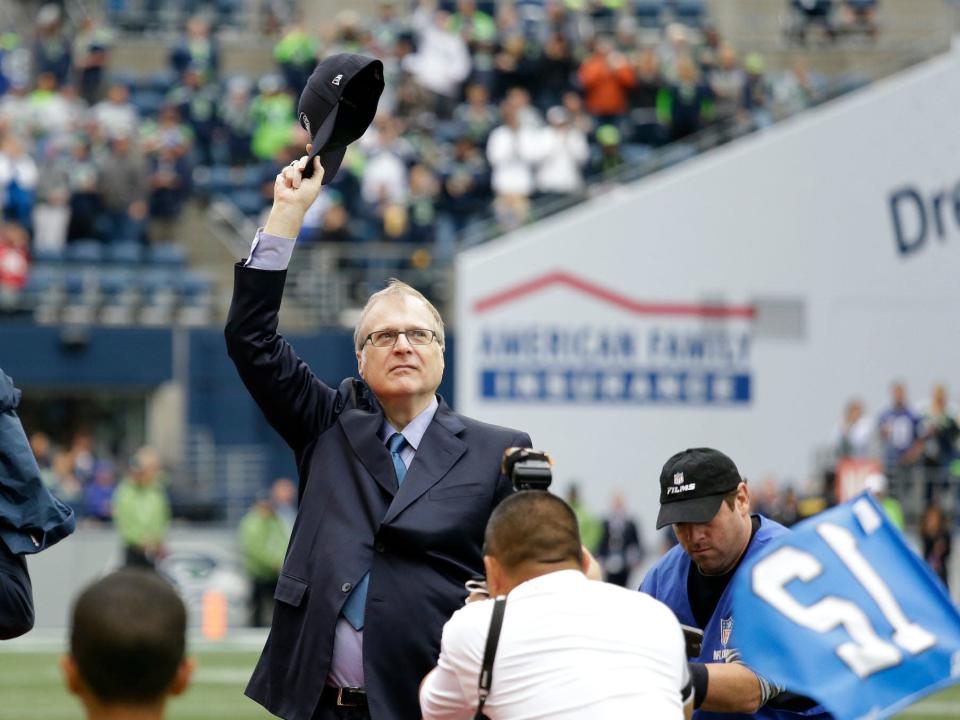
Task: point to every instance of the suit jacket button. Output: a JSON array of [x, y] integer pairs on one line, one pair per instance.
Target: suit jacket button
[[379, 547], [346, 587]]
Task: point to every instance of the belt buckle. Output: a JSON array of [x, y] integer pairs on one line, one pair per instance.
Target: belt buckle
[[341, 702]]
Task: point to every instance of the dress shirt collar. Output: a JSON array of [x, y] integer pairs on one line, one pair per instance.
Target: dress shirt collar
[[413, 432]]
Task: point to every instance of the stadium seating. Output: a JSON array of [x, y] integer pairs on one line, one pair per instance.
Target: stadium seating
[[649, 13], [119, 284]]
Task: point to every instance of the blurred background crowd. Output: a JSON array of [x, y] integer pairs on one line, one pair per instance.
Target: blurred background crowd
[[494, 114]]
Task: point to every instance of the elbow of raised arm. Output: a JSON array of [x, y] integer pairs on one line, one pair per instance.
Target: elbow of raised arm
[[24, 626], [18, 621]]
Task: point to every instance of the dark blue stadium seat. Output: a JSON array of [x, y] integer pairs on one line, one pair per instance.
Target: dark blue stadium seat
[[147, 102], [115, 282], [167, 255], [85, 251], [155, 281], [194, 287], [253, 175], [649, 13], [160, 81], [124, 252], [690, 12], [215, 179], [43, 279], [47, 255], [123, 77], [250, 202], [76, 284]]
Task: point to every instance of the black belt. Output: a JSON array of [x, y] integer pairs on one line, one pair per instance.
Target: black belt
[[344, 696]]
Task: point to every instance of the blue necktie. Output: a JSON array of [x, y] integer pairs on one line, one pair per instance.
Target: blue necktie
[[354, 607]]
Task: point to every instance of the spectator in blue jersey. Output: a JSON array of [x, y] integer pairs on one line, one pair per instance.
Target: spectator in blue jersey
[[900, 431], [704, 498]]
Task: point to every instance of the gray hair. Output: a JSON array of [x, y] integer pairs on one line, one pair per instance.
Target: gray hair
[[395, 287]]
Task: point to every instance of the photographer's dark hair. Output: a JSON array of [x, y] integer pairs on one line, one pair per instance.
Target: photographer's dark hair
[[532, 526], [128, 636]]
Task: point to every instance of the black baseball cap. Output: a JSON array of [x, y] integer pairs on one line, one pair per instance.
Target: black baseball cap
[[337, 106], [692, 485]]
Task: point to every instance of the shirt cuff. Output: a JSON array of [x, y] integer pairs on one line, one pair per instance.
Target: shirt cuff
[[270, 252]]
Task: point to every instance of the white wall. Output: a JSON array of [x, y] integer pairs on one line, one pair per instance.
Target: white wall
[[800, 212]]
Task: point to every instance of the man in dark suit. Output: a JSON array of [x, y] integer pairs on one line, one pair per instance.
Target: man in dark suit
[[620, 550], [395, 491]]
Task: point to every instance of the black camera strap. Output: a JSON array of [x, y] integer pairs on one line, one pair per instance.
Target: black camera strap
[[489, 653]]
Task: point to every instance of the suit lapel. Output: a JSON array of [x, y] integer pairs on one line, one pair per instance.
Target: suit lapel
[[439, 450], [363, 433]]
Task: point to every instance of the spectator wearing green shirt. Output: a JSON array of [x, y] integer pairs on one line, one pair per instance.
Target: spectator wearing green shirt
[[274, 118], [591, 529], [296, 54], [473, 25], [264, 535], [141, 510]]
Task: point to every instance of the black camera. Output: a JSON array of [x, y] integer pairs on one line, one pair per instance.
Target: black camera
[[527, 469]]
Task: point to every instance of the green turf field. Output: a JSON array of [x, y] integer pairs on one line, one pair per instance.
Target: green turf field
[[30, 689]]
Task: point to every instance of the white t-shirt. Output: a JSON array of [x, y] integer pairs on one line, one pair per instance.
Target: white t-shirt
[[511, 154], [569, 648]]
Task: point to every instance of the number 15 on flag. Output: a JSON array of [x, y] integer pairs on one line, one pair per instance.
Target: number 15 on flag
[[841, 610]]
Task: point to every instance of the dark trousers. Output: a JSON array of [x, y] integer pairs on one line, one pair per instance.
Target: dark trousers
[[136, 557], [326, 712], [261, 602]]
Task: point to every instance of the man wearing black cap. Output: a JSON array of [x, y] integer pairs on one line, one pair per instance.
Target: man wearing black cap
[[395, 488], [703, 496]]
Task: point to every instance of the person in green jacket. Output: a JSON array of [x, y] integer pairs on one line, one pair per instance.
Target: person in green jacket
[[296, 54], [274, 118], [264, 535], [141, 511]]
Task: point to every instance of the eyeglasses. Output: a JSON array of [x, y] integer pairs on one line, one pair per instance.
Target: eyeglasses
[[388, 338]]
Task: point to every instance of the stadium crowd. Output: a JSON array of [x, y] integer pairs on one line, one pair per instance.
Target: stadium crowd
[[489, 107]]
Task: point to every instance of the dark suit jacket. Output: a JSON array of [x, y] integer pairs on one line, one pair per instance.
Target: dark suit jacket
[[420, 543], [16, 595], [31, 519]]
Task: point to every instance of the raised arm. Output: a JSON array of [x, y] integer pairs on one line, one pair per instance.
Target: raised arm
[[294, 401]]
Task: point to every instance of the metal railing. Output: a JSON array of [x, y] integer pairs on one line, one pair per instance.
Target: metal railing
[[915, 487]]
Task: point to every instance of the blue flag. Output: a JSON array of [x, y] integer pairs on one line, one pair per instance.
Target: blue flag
[[842, 611]]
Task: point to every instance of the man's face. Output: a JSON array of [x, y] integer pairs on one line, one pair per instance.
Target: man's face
[[716, 546], [404, 370], [899, 395]]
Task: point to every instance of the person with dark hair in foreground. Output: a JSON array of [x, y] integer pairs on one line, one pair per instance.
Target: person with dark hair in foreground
[[569, 647], [31, 519], [127, 646]]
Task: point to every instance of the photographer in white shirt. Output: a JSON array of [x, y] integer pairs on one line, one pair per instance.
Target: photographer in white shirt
[[569, 647]]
